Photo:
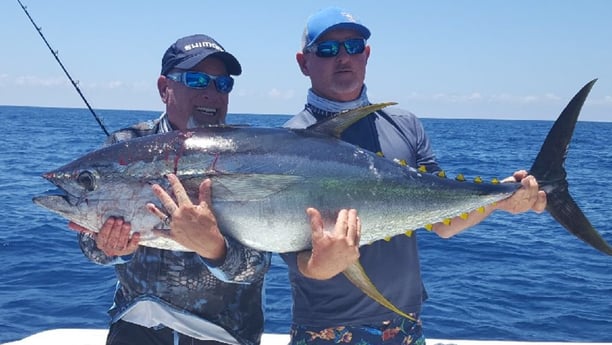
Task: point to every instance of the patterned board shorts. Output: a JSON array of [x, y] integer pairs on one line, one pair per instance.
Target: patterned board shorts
[[399, 331]]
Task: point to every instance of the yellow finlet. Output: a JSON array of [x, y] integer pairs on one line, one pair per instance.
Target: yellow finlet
[[446, 221], [460, 178], [464, 215], [408, 233], [401, 162], [380, 154], [422, 169], [495, 181], [428, 227], [478, 179], [441, 174], [481, 209]]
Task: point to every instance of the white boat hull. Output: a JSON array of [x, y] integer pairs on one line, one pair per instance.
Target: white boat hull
[[70, 336]]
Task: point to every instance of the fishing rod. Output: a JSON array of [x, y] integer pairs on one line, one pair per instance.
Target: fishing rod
[[55, 54]]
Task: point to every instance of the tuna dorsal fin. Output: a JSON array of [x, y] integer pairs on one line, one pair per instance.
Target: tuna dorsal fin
[[335, 125]]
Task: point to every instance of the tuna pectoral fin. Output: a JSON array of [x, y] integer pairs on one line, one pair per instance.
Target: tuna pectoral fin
[[356, 274], [564, 210]]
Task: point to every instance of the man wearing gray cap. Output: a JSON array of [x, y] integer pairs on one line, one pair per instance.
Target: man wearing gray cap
[[327, 307], [213, 294]]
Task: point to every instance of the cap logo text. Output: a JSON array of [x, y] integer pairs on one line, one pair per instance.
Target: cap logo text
[[203, 44]]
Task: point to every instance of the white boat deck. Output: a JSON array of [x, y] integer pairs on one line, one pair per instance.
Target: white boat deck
[[98, 337]]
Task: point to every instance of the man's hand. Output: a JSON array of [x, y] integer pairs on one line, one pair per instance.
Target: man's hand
[[113, 238], [193, 226], [526, 198], [332, 252]]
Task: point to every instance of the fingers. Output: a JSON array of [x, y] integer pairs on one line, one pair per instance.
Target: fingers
[[156, 211], [165, 199], [537, 198], [163, 217], [316, 223], [205, 194], [76, 227], [114, 237], [341, 223], [540, 204], [133, 243], [179, 191], [353, 232], [104, 233], [517, 176], [526, 198], [348, 226], [520, 175]]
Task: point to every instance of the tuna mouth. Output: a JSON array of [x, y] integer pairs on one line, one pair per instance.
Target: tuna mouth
[[55, 199]]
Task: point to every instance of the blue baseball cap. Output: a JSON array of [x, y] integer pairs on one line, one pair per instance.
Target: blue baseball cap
[[328, 19], [189, 51]]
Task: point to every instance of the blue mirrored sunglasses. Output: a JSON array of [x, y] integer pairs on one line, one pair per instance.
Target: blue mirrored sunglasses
[[200, 80], [327, 49]]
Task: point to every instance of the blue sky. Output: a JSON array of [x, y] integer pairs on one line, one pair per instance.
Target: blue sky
[[519, 59]]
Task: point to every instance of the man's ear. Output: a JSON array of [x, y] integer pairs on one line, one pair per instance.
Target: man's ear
[[162, 87], [301, 60]]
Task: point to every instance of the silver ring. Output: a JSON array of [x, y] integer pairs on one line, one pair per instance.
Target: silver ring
[[167, 220]]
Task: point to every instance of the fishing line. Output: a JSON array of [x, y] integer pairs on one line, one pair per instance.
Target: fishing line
[[55, 54]]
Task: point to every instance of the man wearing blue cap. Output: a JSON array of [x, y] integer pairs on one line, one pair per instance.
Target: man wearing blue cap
[[211, 295], [327, 307]]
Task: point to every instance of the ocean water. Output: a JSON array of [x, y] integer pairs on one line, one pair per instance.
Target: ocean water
[[509, 278]]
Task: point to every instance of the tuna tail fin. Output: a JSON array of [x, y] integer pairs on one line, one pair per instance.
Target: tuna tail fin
[[549, 170]]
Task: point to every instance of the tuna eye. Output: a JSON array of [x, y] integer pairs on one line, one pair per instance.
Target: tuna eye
[[87, 180]]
